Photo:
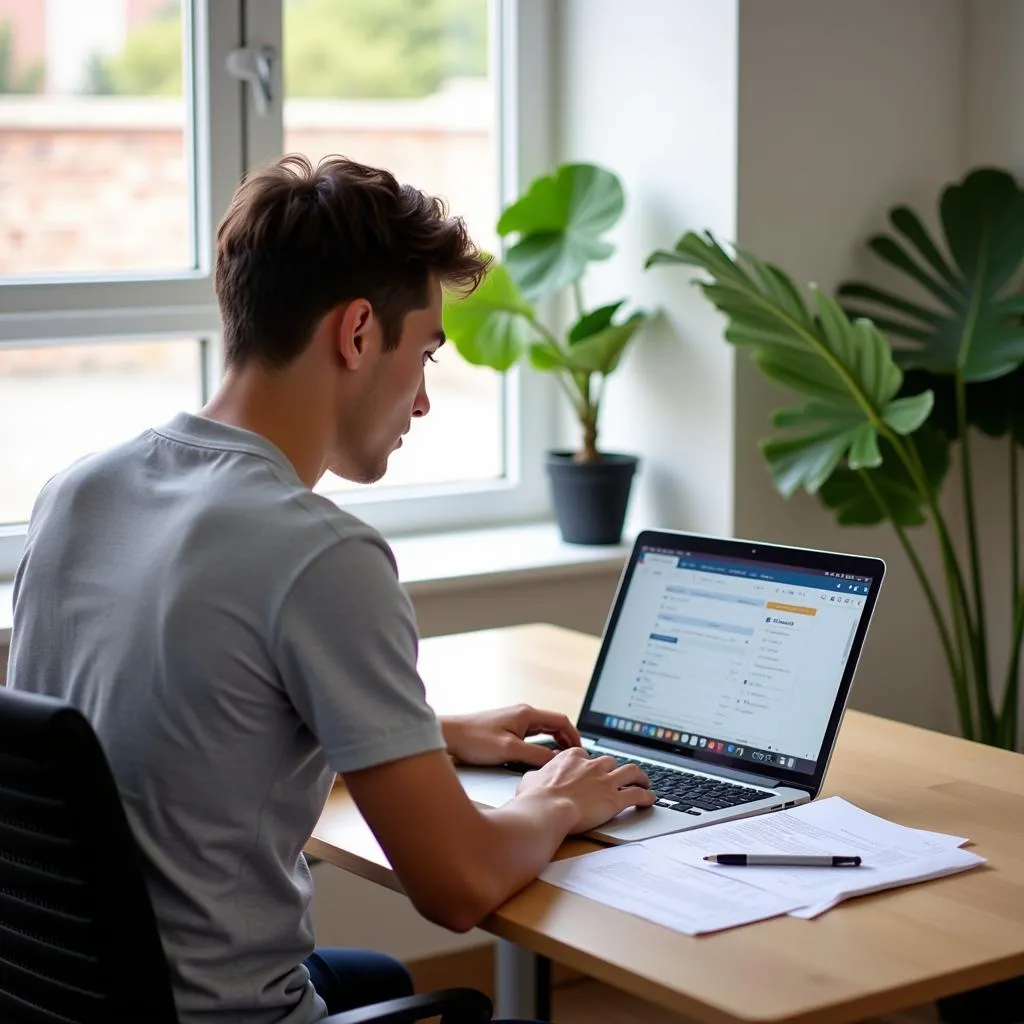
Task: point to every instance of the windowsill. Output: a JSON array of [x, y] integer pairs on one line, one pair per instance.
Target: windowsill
[[448, 562]]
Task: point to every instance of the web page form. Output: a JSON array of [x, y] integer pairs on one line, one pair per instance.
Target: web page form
[[724, 650]]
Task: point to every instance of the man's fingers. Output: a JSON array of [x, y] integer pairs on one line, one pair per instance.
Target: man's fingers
[[538, 720], [630, 775], [635, 796], [568, 735], [532, 754]]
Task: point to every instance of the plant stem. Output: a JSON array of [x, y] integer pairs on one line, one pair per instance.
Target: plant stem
[[955, 587], [958, 605], [588, 453], [577, 401], [577, 293], [1016, 583], [600, 395], [1009, 711], [963, 699], [541, 330], [979, 646]]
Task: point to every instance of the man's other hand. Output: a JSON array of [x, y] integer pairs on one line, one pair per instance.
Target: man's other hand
[[497, 737]]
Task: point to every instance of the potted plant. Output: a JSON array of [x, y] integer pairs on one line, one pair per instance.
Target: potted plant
[[557, 229], [873, 433]]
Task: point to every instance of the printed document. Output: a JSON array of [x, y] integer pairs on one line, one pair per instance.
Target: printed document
[[636, 880], [892, 854], [667, 881]]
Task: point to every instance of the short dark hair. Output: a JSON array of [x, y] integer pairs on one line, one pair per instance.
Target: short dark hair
[[297, 241]]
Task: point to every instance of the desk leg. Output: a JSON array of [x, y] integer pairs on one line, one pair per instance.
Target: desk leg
[[522, 983]]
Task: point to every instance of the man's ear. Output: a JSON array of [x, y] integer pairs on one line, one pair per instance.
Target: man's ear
[[353, 326]]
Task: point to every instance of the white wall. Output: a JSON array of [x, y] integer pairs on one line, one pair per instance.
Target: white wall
[[648, 89], [995, 83]]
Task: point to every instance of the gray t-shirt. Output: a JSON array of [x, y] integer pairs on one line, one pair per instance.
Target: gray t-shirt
[[235, 639]]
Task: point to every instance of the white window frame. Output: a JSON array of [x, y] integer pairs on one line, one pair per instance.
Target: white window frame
[[174, 305]]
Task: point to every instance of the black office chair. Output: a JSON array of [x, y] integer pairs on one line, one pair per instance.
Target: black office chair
[[78, 938]]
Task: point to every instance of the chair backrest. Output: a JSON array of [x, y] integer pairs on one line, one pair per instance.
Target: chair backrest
[[78, 939]]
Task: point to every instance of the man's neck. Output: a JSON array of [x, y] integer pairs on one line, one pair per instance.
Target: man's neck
[[271, 405]]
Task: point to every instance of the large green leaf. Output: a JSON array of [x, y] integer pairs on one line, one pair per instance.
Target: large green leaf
[[972, 324], [560, 221], [830, 431], [850, 497], [844, 370], [493, 325]]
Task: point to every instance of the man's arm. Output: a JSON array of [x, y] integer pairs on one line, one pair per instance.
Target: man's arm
[[457, 862], [345, 648]]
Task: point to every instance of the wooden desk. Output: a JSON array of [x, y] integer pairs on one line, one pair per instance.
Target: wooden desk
[[873, 955]]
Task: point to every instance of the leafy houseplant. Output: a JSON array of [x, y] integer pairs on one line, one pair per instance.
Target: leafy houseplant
[[873, 433], [558, 226]]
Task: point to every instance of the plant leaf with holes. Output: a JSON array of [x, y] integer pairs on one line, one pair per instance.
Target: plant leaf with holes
[[971, 323]]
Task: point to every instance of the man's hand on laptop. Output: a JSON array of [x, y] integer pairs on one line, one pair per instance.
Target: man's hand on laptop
[[499, 736], [598, 788]]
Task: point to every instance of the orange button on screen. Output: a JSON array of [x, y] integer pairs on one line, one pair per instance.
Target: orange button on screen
[[794, 609]]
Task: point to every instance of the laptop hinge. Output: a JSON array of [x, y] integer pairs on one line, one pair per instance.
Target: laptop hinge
[[633, 750]]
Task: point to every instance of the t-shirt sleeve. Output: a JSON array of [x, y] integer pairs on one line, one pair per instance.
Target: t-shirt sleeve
[[346, 648]]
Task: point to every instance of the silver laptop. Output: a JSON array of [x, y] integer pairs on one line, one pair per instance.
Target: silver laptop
[[724, 671]]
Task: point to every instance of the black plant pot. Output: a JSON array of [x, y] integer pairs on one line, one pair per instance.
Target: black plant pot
[[591, 497]]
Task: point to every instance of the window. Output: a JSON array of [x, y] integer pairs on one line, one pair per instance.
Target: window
[[95, 162], [123, 134], [58, 402]]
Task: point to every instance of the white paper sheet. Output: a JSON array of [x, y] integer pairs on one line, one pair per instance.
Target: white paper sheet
[[892, 854], [949, 862], [662, 890]]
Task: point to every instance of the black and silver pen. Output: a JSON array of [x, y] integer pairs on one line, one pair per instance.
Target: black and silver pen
[[780, 860]]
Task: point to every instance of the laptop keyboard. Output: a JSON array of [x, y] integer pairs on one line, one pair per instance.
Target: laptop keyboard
[[680, 790]]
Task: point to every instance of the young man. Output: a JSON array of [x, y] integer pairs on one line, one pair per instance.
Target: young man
[[236, 639]]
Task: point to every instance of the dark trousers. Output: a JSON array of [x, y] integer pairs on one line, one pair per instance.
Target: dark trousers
[[347, 978]]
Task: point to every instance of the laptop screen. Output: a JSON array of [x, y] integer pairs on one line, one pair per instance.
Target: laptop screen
[[742, 658]]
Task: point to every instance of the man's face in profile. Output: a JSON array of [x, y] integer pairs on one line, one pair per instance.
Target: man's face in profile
[[387, 392]]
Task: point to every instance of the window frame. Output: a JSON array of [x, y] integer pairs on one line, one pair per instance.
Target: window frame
[[112, 307]]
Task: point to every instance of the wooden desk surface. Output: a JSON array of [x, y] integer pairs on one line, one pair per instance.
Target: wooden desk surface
[[873, 955]]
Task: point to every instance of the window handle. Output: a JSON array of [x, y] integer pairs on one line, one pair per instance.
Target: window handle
[[255, 65]]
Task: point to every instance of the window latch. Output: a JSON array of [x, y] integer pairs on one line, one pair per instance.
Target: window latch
[[255, 65]]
